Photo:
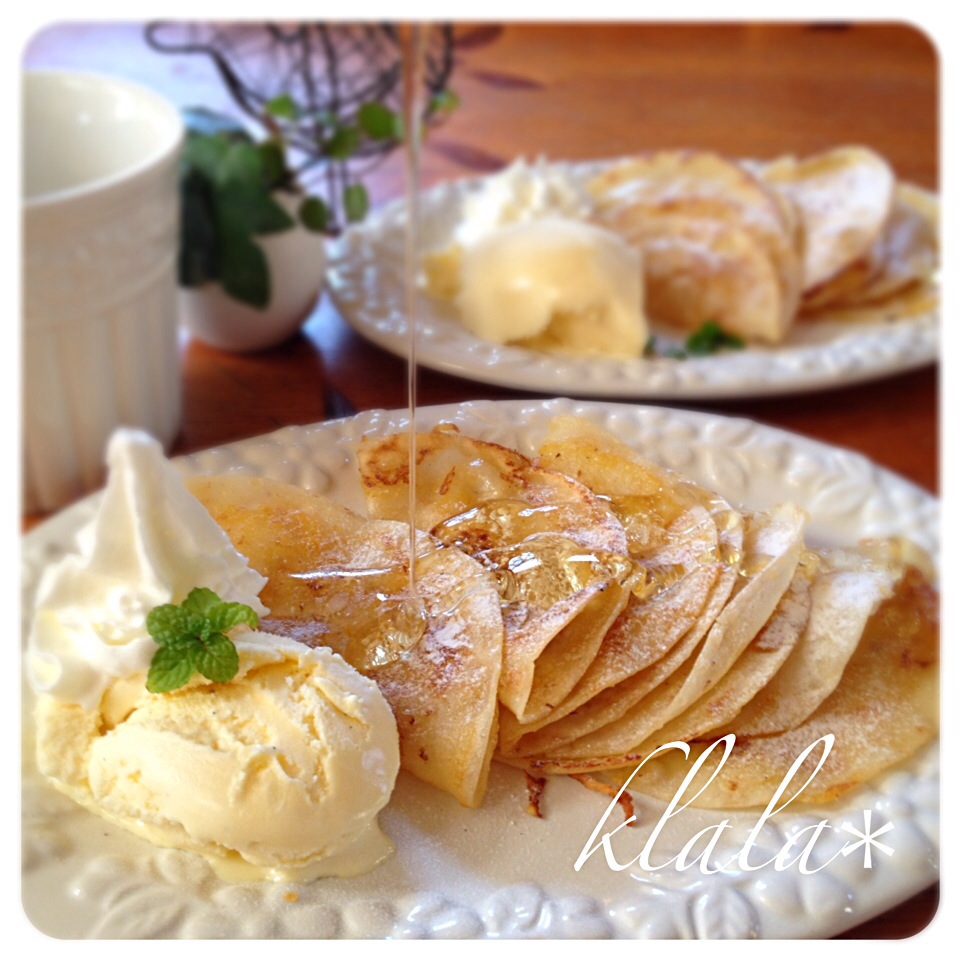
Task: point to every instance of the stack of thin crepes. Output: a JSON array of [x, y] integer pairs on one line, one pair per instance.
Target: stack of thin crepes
[[755, 246], [587, 607]]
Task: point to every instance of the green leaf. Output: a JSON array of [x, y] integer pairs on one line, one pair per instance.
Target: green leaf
[[710, 338], [356, 202], [250, 210], [343, 144], [378, 122], [226, 616], [273, 163], [217, 659], [243, 197], [314, 214], [208, 123], [198, 253], [444, 101], [241, 164], [204, 154], [284, 107], [244, 272], [168, 624], [170, 669], [192, 637], [201, 600]]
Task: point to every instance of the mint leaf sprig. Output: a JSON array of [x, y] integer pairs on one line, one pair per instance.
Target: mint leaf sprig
[[193, 639], [708, 339]]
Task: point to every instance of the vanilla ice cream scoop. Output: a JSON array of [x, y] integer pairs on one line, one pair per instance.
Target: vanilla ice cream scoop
[[278, 774], [557, 284]]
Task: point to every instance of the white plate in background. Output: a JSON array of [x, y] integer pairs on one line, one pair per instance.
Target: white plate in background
[[366, 283]]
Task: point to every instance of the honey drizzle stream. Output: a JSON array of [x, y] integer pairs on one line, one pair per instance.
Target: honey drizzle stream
[[412, 50]]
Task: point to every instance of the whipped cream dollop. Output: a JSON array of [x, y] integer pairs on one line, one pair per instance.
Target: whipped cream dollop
[[520, 193], [150, 542]]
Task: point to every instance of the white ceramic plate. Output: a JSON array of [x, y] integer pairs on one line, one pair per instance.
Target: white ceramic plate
[[366, 283], [497, 872]]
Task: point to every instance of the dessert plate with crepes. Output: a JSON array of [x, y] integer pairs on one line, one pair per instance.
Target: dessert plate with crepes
[[824, 268], [596, 579]]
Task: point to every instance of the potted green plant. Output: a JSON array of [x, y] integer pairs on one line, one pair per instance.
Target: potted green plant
[[251, 259], [327, 111]]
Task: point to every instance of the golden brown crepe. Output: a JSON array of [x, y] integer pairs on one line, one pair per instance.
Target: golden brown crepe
[[750, 672], [772, 546], [336, 579], [847, 589], [844, 197], [716, 242], [558, 551], [885, 707], [906, 252], [650, 627]]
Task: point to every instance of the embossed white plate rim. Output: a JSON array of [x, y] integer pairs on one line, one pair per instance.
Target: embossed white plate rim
[[365, 281], [82, 878]]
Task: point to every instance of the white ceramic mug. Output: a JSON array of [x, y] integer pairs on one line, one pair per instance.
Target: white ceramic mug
[[100, 235]]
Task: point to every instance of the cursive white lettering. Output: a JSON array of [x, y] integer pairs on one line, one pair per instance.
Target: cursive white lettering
[[743, 860]]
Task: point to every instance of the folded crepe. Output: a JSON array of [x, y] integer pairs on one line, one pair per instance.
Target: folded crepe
[[772, 547], [885, 707], [557, 550], [688, 542], [339, 580], [848, 587]]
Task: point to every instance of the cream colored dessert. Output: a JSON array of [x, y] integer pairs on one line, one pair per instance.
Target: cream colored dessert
[[554, 284], [521, 193], [524, 266], [279, 773]]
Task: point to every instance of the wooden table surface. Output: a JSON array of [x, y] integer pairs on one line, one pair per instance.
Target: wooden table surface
[[591, 91]]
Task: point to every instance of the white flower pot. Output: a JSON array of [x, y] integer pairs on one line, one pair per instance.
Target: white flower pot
[[297, 262]]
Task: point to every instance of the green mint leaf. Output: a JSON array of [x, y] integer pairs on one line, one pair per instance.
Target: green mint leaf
[[650, 347], [710, 338], [226, 616], [378, 122], [192, 637], [244, 272], [241, 164], [201, 600], [168, 623], [217, 659], [204, 154], [250, 209], [356, 202], [197, 258], [314, 214], [284, 107], [171, 668]]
